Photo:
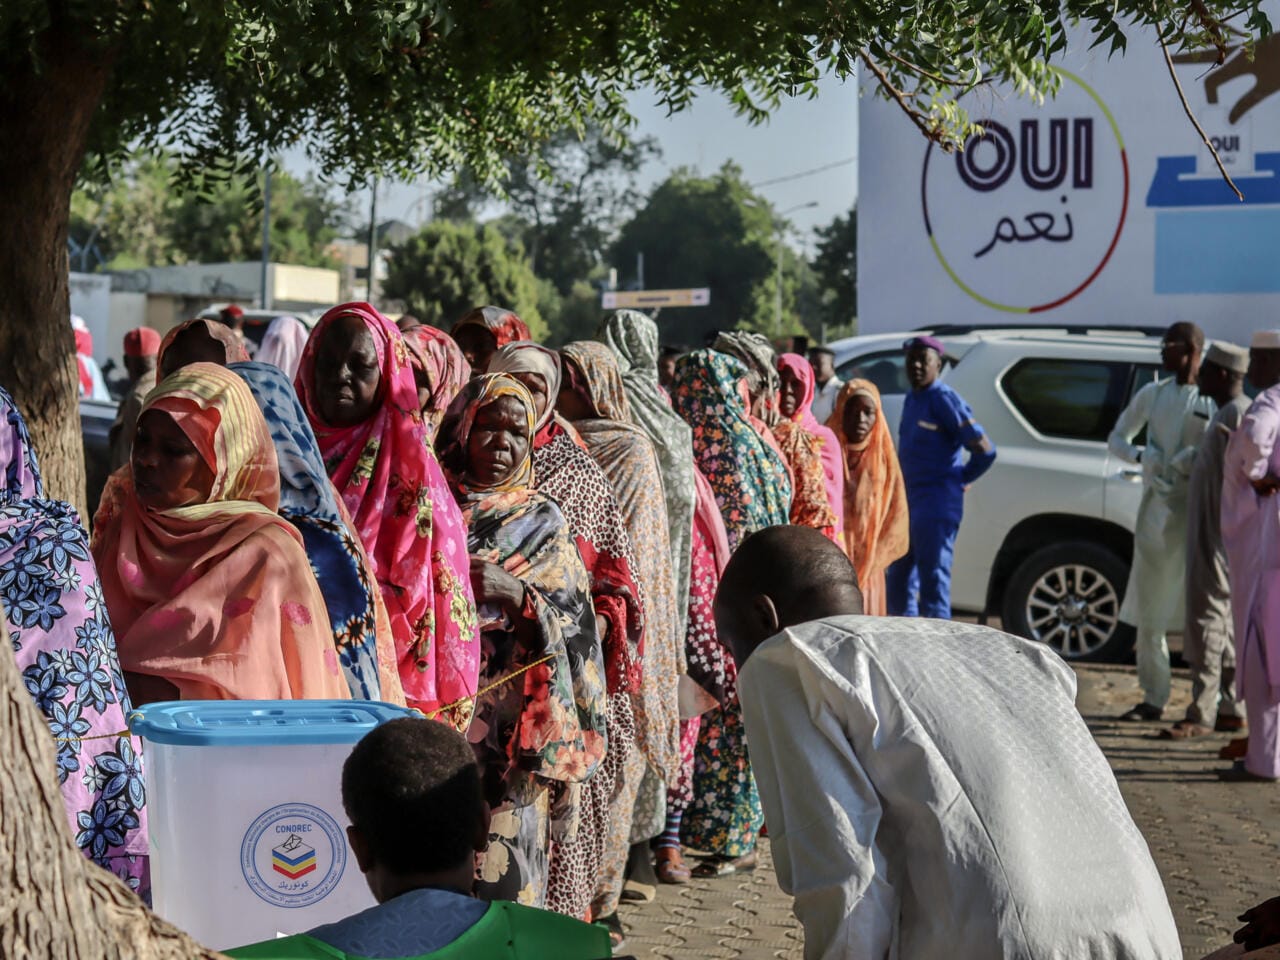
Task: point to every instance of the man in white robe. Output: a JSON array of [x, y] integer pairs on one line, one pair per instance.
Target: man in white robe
[[1176, 417], [1207, 643], [930, 789]]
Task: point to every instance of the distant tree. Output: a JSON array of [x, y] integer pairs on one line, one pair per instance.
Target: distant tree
[[144, 219], [836, 267], [565, 200], [712, 232], [447, 268]]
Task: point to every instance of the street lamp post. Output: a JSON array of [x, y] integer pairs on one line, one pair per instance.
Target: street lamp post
[[777, 286]]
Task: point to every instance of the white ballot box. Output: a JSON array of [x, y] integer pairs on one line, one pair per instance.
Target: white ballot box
[[248, 834]]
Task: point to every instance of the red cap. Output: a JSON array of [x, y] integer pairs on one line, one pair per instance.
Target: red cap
[[232, 311], [141, 342]]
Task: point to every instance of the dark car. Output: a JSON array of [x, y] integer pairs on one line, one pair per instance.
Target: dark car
[[96, 417]]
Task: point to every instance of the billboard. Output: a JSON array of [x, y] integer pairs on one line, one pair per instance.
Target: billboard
[[1101, 206]]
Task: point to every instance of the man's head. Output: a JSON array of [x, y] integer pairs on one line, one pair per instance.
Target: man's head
[[924, 361], [1264, 359], [412, 791], [1181, 350], [233, 316], [781, 577], [823, 362], [141, 346], [1222, 373]]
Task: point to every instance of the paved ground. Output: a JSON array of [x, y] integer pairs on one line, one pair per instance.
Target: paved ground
[[1215, 845]]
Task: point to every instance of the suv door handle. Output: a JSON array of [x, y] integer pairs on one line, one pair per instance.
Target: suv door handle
[[1133, 476]]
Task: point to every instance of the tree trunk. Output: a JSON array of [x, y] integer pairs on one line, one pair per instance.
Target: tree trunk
[[45, 114], [54, 903]]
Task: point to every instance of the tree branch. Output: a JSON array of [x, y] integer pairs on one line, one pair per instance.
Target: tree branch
[[916, 116], [1168, 61]]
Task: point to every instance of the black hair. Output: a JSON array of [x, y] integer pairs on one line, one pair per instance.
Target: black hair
[[820, 349], [412, 788], [672, 350], [1191, 331], [800, 569]]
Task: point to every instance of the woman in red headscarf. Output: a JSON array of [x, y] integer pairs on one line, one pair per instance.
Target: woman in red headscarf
[[357, 388], [483, 331]]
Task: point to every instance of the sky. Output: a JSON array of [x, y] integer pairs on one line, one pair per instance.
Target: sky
[[802, 135]]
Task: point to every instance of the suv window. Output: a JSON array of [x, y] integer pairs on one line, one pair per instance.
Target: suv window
[[1072, 399], [887, 370]]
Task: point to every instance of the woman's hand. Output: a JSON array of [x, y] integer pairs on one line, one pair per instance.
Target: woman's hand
[[492, 584]]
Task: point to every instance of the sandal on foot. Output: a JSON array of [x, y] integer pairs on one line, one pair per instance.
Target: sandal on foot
[[617, 936], [1225, 723], [726, 866], [1142, 713], [1235, 750], [1185, 730], [671, 867], [1239, 774]]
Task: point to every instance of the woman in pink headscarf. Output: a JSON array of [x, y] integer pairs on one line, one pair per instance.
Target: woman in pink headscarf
[[357, 387], [807, 443], [282, 344], [439, 369]]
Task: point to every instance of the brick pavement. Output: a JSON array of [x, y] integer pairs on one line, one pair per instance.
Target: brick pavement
[[1216, 845]]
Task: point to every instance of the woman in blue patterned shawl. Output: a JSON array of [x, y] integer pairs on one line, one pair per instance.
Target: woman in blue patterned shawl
[[361, 632], [52, 602]]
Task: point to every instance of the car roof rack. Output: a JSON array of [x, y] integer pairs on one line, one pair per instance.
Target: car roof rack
[[1074, 329]]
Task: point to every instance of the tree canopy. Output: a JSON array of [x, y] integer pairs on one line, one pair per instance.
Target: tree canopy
[[412, 86], [447, 268]]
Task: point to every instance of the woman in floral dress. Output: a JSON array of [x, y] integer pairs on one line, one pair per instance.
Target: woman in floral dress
[[564, 471], [357, 387], [57, 619], [753, 491], [545, 726]]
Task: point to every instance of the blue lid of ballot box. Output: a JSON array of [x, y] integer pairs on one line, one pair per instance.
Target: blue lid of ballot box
[[234, 723]]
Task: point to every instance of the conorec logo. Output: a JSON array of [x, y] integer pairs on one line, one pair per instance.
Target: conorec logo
[[1028, 214]]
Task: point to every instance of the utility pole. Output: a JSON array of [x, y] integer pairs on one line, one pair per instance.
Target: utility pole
[[640, 270], [373, 244], [265, 299]]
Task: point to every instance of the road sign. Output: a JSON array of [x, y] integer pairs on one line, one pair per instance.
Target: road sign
[[622, 299]]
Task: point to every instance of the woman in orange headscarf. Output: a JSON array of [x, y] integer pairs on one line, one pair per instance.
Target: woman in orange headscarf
[[208, 588], [875, 499]]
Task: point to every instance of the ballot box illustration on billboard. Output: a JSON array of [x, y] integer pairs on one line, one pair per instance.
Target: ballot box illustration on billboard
[[293, 858], [248, 834]]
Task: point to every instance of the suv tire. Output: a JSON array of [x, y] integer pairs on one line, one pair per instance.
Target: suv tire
[[1068, 595]]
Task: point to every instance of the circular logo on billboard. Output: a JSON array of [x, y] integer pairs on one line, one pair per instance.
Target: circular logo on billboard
[[293, 855], [1028, 214]]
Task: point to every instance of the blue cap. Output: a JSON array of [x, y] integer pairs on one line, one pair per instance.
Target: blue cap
[[229, 723]]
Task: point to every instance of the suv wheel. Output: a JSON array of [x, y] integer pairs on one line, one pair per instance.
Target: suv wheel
[[1068, 596]]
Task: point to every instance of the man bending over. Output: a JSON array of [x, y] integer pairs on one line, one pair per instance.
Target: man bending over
[[930, 789]]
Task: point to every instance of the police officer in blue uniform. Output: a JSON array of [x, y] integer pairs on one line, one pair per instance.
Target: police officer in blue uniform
[[937, 428]]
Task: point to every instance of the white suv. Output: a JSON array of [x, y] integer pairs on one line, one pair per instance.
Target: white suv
[[1047, 536]]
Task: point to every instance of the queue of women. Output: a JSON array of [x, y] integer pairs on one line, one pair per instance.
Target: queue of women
[[521, 542]]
